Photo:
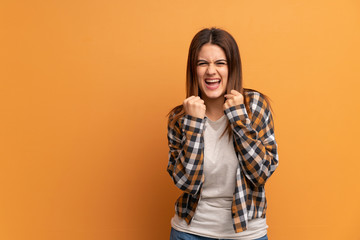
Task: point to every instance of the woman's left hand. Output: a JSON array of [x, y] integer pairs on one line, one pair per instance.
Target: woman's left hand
[[233, 98]]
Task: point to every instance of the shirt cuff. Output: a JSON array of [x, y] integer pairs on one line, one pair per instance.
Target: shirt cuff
[[236, 113], [193, 124]]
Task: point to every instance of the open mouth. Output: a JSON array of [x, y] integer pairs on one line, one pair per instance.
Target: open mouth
[[212, 81], [212, 84]]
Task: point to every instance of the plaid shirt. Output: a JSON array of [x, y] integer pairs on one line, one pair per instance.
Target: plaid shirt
[[256, 150]]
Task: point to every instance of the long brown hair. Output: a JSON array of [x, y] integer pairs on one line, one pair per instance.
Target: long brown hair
[[224, 40]]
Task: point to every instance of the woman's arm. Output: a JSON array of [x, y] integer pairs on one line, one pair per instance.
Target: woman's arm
[[255, 139], [186, 153]]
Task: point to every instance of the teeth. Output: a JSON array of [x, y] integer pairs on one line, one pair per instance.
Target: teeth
[[214, 80]]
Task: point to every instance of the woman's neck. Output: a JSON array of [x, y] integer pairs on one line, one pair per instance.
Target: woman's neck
[[214, 108]]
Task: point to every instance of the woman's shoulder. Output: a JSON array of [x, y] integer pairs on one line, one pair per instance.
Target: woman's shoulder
[[259, 106], [251, 92], [176, 118], [254, 97]]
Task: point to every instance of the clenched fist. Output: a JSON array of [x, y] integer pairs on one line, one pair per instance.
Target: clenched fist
[[233, 98], [195, 106]]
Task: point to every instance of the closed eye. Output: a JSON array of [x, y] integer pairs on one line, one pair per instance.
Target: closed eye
[[201, 63]]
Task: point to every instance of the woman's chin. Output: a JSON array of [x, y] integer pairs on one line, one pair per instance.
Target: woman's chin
[[214, 96]]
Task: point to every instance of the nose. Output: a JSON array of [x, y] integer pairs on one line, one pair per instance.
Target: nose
[[211, 69]]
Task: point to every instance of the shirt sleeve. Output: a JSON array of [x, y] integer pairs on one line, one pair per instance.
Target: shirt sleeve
[[186, 153], [254, 139]]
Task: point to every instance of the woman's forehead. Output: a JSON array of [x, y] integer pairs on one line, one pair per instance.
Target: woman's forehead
[[211, 51]]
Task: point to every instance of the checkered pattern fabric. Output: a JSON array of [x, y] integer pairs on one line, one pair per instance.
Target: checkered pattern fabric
[[256, 149]]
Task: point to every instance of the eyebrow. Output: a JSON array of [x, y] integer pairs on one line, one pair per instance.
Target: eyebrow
[[202, 60]]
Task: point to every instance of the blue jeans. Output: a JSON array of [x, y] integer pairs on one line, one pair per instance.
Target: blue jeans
[[177, 235]]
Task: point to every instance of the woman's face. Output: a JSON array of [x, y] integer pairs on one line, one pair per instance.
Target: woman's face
[[212, 71]]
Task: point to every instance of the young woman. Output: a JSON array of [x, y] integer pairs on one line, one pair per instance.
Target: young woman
[[222, 146]]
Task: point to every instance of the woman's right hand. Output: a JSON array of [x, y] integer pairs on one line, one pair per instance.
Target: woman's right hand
[[195, 106]]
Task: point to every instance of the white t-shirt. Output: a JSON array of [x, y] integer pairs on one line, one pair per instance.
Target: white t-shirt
[[212, 216]]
